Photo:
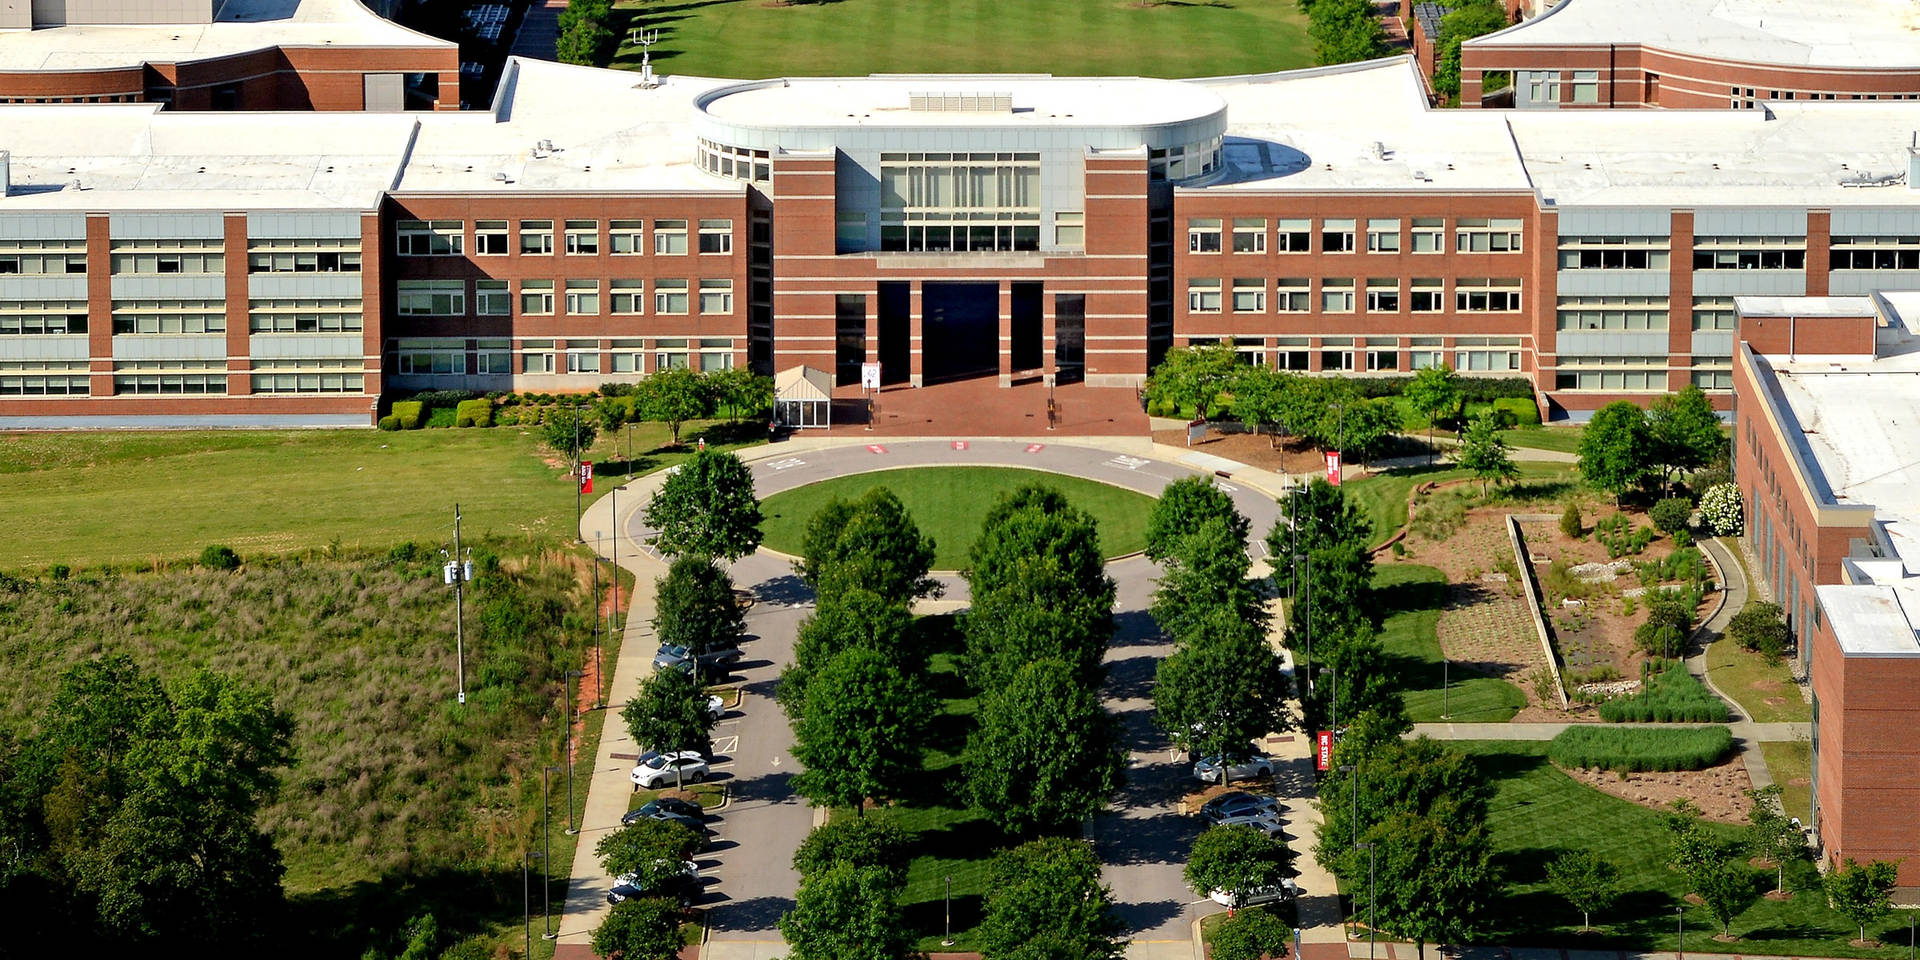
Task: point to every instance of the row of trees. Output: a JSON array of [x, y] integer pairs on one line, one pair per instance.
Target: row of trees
[[1463, 22], [1626, 448], [1344, 31], [1327, 412]]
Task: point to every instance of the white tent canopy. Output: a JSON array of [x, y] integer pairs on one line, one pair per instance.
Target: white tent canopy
[[803, 397]]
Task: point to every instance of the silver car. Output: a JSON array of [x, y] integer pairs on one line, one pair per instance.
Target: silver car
[[1266, 823], [1253, 896], [1258, 765], [1240, 804]]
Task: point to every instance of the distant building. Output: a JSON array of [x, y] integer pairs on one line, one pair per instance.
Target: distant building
[[1827, 456]]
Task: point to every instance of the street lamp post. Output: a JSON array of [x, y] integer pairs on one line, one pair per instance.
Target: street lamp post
[[1680, 945], [526, 897], [1373, 895], [458, 570], [1446, 681], [1304, 593], [546, 838], [1354, 771], [947, 939]]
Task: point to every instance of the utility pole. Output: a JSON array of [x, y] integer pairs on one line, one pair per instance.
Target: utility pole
[[546, 858]]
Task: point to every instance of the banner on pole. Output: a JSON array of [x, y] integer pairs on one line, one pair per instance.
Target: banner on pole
[[1323, 753], [586, 477], [1333, 467]]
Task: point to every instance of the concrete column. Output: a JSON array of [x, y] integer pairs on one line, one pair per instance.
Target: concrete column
[[1048, 331], [1005, 327], [915, 366]]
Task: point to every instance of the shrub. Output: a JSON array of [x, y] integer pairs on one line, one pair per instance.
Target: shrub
[[219, 557], [1631, 750], [441, 417], [507, 417], [619, 389], [474, 413], [1671, 514], [389, 422], [408, 412], [1760, 628], [1674, 696], [1621, 538], [443, 398], [1570, 523], [1721, 510], [1684, 564], [1520, 411]]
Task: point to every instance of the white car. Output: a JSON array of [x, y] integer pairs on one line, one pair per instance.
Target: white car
[[1258, 765], [1266, 893], [1266, 823], [715, 706], [666, 769]]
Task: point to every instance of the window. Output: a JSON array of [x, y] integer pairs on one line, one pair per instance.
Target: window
[[1480, 361], [1612, 313], [137, 380], [716, 236], [1293, 354], [430, 357], [1429, 295], [1340, 359], [1250, 295], [43, 378], [628, 356], [491, 298], [1336, 296], [430, 238], [1612, 374], [305, 315], [672, 355], [172, 315], [490, 238], [1383, 236], [1429, 235], [1383, 295], [1713, 373], [715, 354], [1203, 235], [1293, 295], [432, 298], [493, 357], [1203, 296], [1714, 313], [165, 257], [669, 296], [298, 256], [536, 297], [1383, 359], [670, 236], [1479, 235], [583, 297], [536, 237], [1749, 253], [1538, 86], [629, 296], [1336, 236], [1249, 235], [1293, 236], [536, 356], [1875, 253], [1496, 295], [43, 256], [1613, 253], [583, 356], [625, 236], [716, 296], [583, 237], [1423, 359], [1586, 86], [942, 202], [310, 376], [1069, 229], [737, 163], [42, 317]]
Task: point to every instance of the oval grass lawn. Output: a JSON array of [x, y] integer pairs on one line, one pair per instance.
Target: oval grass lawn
[[948, 504]]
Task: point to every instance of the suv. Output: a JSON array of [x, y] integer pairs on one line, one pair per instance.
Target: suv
[[668, 808], [1253, 896], [713, 662], [657, 770]]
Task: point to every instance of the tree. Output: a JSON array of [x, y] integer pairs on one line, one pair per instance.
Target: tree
[[870, 543], [1613, 454], [1434, 394], [1338, 582], [1761, 628], [1692, 847], [1727, 888], [670, 714], [1421, 776], [1570, 523], [1771, 834], [1049, 886], [1262, 395], [707, 508], [1318, 515], [673, 397], [1192, 377], [651, 850], [642, 928], [1483, 452], [1005, 630], [1183, 506], [854, 618], [862, 730], [1206, 575], [1683, 431], [1251, 935], [1362, 425], [1046, 755], [1346, 31], [1221, 689], [861, 841], [1588, 881], [584, 43], [569, 431], [1462, 23], [1432, 875], [846, 912], [695, 606], [1353, 664], [1234, 858], [1031, 531], [1861, 892], [740, 390]]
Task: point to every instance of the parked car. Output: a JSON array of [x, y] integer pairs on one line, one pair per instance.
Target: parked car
[[657, 770], [1258, 765], [1239, 804], [668, 808], [1253, 896], [683, 887], [676, 656], [1266, 823], [715, 706]]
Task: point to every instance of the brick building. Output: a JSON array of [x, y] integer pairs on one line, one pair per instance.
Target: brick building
[[1699, 54], [590, 228], [1826, 449]]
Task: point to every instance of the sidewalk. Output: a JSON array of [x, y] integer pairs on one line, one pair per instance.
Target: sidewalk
[[1755, 732]]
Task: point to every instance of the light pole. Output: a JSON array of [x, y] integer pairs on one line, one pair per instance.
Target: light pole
[[1680, 945], [526, 897], [1354, 771], [947, 939], [579, 458], [1373, 895], [598, 545], [1446, 671], [546, 838], [1305, 594], [457, 571]]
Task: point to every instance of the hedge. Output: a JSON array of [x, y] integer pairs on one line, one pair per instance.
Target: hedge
[[1639, 749], [443, 398], [1676, 697], [389, 422], [474, 413], [1520, 411], [408, 413]]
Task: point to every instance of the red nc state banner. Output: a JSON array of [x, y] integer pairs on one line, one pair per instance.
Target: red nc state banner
[[586, 477], [1323, 754], [1333, 467]]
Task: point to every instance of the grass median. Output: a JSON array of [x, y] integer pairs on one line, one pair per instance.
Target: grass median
[[1411, 596]]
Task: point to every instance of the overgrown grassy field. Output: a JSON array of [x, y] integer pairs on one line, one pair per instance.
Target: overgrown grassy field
[[1766, 692], [1639, 749], [1160, 38], [137, 497], [1538, 811], [948, 504], [1383, 497], [1411, 597], [400, 801]]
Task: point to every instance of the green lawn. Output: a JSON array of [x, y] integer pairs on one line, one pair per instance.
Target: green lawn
[[1765, 692], [764, 38], [1411, 596], [948, 503], [1790, 762], [136, 497], [1538, 811], [1563, 439]]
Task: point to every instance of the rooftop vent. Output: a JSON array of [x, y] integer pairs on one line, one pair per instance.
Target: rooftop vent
[[936, 102], [1379, 150], [502, 177]]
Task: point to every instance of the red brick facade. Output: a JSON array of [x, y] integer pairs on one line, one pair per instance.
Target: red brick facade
[[274, 78]]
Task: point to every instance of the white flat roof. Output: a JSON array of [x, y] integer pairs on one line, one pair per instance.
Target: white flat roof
[[1871, 620], [1036, 101], [239, 26], [1879, 34], [1804, 306]]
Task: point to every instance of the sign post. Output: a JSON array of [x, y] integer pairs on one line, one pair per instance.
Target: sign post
[[869, 385], [1323, 750], [1333, 467]]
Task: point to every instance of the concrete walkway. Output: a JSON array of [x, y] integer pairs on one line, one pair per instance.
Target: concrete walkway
[[1755, 732]]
